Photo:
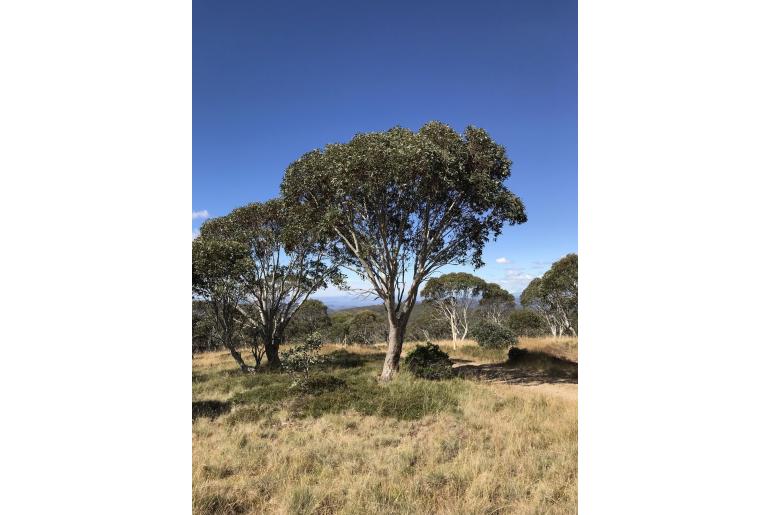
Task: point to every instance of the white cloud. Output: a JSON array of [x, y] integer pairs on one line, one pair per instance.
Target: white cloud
[[502, 261], [200, 214], [516, 280], [195, 234]]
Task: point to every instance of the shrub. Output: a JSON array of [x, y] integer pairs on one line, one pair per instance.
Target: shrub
[[300, 360], [489, 334], [429, 362], [524, 322], [515, 354]]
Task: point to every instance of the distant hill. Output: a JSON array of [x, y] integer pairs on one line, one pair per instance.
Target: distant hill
[[341, 302], [419, 307]]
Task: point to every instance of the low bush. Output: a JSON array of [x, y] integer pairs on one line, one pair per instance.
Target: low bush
[[429, 362], [302, 359], [515, 354], [491, 335]]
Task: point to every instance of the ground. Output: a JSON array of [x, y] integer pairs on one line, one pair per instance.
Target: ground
[[499, 438]]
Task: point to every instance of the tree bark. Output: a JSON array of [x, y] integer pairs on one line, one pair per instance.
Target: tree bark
[[238, 359], [396, 331], [271, 351]]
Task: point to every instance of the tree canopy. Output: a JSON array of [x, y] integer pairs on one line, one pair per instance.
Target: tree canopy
[[496, 302], [399, 204], [281, 261]]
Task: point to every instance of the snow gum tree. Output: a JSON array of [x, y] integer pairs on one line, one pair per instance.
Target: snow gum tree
[[496, 303], [401, 204], [287, 260], [554, 297], [453, 296]]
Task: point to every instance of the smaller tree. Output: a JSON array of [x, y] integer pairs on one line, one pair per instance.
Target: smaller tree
[[491, 335], [366, 327], [525, 322], [452, 296], [311, 317], [496, 303], [301, 359], [554, 296], [216, 267], [286, 260]]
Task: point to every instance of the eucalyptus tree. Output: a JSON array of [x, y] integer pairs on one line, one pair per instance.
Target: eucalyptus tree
[[217, 266], [402, 204], [286, 261], [555, 296], [452, 296], [560, 286], [496, 303]]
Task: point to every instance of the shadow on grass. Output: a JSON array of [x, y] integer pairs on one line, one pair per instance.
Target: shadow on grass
[[526, 367], [210, 409]]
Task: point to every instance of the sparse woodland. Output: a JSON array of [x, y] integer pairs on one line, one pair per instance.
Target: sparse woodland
[[300, 409]]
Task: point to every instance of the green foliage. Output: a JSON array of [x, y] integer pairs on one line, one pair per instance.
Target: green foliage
[[455, 285], [560, 286], [257, 266], [496, 302], [554, 297], [429, 362], [301, 359], [361, 326], [400, 202], [403, 399], [405, 178], [345, 383], [525, 322], [311, 317], [491, 335], [424, 325]]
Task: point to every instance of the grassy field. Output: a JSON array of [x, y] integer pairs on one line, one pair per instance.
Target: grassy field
[[499, 438]]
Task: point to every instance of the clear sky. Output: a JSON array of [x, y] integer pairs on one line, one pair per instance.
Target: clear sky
[[272, 80]]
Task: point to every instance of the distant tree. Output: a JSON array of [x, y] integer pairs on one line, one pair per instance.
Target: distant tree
[[525, 322], [554, 296], [311, 317], [286, 261], [204, 336], [496, 303], [365, 327], [360, 326], [452, 296], [560, 286], [423, 325], [401, 204]]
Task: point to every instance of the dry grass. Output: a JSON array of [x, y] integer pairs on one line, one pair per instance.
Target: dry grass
[[412, 446]]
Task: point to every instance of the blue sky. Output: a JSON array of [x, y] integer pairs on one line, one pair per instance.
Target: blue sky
[[274, 80]]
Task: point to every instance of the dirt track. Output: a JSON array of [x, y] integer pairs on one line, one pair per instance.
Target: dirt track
[[562, 386]]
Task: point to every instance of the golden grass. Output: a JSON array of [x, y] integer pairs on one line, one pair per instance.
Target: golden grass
[[498, 449]]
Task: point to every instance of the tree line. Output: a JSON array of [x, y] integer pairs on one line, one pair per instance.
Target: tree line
[[391, 207], [454, 306]]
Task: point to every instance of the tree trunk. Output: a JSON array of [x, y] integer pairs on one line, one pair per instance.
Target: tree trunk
[[238, 359], [393, 356], [271, 351]]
